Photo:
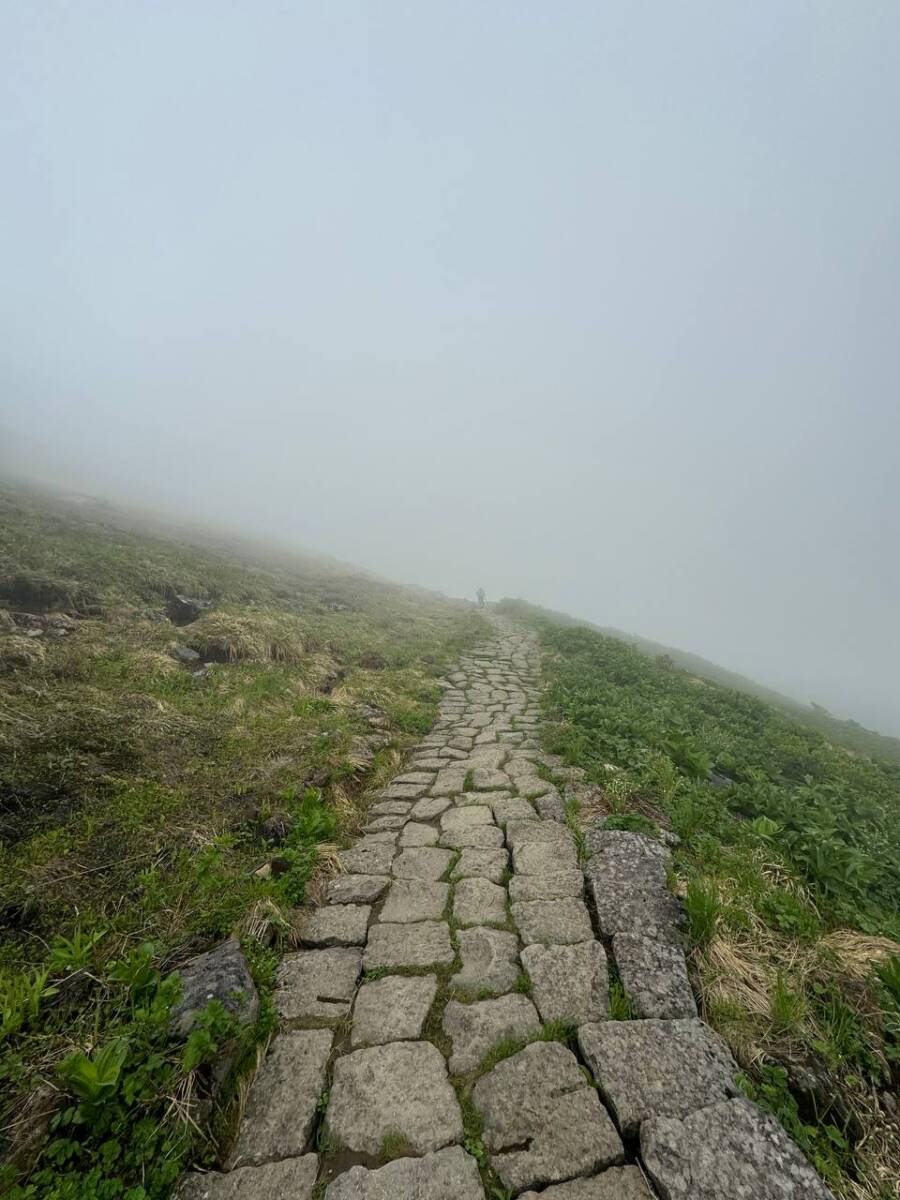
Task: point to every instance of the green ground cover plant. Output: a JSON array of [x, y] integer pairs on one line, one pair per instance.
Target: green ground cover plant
[[153, 802], [789, 869]]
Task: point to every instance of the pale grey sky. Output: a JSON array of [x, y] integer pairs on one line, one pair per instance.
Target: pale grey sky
[[594, 303]]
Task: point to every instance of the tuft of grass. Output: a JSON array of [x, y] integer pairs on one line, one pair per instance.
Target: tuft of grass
[[702, 907], [619, 1004], [394, 1144]]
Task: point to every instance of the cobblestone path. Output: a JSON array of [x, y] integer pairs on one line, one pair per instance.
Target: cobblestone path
[[426, 1025]]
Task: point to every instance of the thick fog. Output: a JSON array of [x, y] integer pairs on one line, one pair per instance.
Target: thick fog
[[592, 303]]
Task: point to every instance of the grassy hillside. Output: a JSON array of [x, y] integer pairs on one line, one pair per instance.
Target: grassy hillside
[[844, 733], [789, 866], [162, 785]]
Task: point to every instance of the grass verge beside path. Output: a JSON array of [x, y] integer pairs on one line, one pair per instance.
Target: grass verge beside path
[[153, 802], [789, 867]]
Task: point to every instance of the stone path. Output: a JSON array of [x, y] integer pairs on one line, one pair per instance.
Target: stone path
[[428, 1018]]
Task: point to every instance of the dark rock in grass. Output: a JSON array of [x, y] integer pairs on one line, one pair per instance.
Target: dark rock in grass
[[220, 974], [276, 828], [371, 660], [184, 654], [183, 610]]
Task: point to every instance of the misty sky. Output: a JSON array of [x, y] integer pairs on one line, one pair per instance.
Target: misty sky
[[593, 303]]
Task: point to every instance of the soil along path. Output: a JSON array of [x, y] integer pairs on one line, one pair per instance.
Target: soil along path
[[446, 1032]]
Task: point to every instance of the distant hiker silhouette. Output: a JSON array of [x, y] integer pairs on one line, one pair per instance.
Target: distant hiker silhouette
[[480, 595]]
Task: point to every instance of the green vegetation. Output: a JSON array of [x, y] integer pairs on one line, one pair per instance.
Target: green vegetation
[[789, 867], [151, 804]]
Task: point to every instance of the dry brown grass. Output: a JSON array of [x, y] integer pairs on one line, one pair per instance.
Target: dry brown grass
[[857, 954], [225, 637]]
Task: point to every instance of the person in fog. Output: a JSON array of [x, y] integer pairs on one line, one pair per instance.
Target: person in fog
[[480, 595]]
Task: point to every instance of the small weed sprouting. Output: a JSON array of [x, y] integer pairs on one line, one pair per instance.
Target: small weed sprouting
[[787, 1008], [21, 994], [394, 1144], [74, 953], [633, 822], [619, 1004]]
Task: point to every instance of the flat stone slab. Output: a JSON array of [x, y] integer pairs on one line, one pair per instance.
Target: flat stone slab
[[731, 1150], [429, 808], [357, 889], [415, 777], [479, 902], [281, 1106], [615, 1183], [557, 922], [490, 960], [520, 833], [465, 816], [560, 885], [399, 1090], [337, 925], [448, 1174], [543, 1122], [290, 1179], [423, 862], [450, 780], [415, 900], [374, 858], [392, 1009], [513, 808], [378, 824], [648, 1069], [414, 833], [488, 864], [569, 982], [477, 1028], [626, 904], [654, 976], [388, 808], [424, 944], [481, 837], [317, 984], [406, 791], [543, 858], [486, 779]]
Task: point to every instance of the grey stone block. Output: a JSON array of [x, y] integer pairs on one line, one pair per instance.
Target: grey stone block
[[392, 1009], [543, 1122], [397, 1090], [486, 864], [289, 1179], [490, 960], [448, 1174], [415, 900], [556, 922], [477, 1028], [654, 976], [479, 902], [281, 1106], [731, 1151], [569, 982], [336, 925], [357, 889], [422, 862], [560, 885], [615, 1183], [650, 1069], [317, 984], [424, 944]]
